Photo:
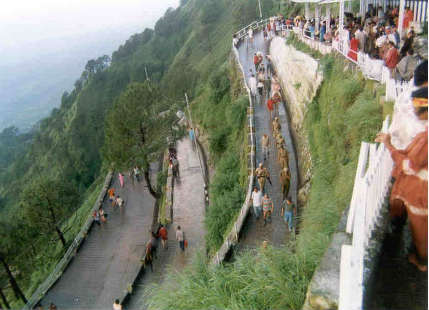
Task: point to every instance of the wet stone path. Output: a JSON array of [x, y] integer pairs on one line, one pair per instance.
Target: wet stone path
[[254, 232], [110, 257], [188, 212]]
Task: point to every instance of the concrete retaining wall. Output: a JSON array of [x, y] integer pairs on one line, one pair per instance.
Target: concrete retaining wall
[[299, 78]]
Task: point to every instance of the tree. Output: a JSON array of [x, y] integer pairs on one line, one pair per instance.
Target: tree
[[46, 203], [135, 133], [9, 250]]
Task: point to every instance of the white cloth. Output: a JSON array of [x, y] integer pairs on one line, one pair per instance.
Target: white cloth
[[257, 198], [179, 235], [405, 124], [252, 85]]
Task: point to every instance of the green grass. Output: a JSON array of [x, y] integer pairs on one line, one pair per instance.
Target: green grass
[[266, 279]]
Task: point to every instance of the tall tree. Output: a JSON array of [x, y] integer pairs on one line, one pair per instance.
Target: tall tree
[[46, 203], [137, 129], [8, 251]]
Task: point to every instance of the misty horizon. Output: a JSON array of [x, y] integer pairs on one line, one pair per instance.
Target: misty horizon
[[38, 62]]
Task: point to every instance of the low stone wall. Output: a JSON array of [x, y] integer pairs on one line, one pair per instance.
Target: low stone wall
[[71, 251], [169, 190], [324, 289], [300, 78]]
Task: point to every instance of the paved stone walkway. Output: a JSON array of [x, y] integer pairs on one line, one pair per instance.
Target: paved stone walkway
[[254, 232], [110, 257], [188, 212]]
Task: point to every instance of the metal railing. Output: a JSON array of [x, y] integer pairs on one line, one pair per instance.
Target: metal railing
[[371, 187], [71, 251]]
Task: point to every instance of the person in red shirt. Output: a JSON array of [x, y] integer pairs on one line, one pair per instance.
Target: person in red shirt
[[410, 191], [391, 57], [256, 62], [354, 44], [163, 233], [270, 107]]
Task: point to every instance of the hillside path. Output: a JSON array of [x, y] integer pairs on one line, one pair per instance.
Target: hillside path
[[188, 212], [254, 232], [109, 259]]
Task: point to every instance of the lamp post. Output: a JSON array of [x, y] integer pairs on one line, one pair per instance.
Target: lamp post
[[260, 11]]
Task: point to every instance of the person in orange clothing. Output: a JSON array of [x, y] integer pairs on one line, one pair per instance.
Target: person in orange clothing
[[270, 107], [410, 190], [163, 233], [111, 193], [391, 57], [354, 44]]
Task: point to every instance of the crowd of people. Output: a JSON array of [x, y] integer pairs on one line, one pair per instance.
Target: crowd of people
[[376, 34]]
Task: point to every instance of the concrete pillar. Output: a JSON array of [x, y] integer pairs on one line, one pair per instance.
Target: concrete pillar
[[328, 16], [349, 6], [401, 17], [317, 17], [307, 10]]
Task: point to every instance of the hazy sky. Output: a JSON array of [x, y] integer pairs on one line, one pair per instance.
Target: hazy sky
[[24, 21], [44, 45]]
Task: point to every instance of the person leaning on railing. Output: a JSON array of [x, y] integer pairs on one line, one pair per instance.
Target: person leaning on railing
[[410, 189]]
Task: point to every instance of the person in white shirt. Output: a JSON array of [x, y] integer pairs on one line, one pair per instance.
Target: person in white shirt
[[117, 305], [250, 34], [257, 202], [235, 41], [253, 85]]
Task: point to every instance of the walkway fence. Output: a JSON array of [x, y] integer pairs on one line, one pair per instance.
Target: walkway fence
[[71, 251], [232, 237], [371, 188]]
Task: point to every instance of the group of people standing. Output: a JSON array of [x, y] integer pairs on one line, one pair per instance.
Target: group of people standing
[[152, 244]]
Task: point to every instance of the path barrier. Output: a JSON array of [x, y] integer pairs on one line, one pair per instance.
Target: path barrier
[[232, 237], [371, 188], [71, 251]]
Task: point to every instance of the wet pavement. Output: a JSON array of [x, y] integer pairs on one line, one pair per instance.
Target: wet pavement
[[254, 231], [110, 257], [188, 212]]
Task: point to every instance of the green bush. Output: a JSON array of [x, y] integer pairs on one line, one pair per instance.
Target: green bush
[[266, 279]]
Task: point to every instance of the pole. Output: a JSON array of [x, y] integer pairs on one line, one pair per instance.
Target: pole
[[401, 18], [195, 140], [260, 11], [147, 76]]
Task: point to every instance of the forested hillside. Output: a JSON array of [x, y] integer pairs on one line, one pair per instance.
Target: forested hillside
[[184, 52]]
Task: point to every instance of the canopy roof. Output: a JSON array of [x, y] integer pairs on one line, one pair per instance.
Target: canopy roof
[[318, 1]]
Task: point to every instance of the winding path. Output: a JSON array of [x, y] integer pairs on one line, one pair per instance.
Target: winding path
[[254, 232], [110, 257]]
